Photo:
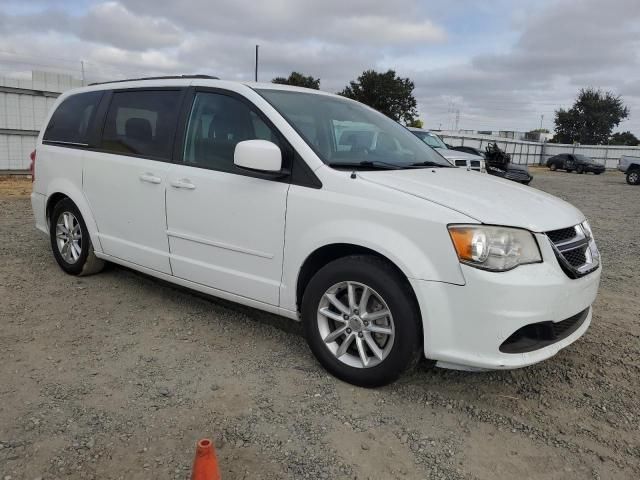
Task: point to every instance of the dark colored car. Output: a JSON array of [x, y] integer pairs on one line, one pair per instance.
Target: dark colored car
[[498, 163], [574, 163], [470, 150]]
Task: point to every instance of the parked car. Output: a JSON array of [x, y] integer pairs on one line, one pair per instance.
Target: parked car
[[387, 254], [467, 149], [459, 159], [574, 163], [630, 166], [499, 164]]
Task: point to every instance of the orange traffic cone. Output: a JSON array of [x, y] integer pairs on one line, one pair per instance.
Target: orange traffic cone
[[205, 464]]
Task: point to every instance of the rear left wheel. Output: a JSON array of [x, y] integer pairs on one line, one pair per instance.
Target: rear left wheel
[[360, 321], [633, 177], [72, 247]]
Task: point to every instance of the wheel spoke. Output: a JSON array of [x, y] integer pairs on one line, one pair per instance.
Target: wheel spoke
[[62, 229], [64, 251], [362, 351], [379, 329], [351, 295], [364, 299], [75, 250], [68, 222], [337, 303], [373, 316], [337, 333], [377, 351], [342, 349], [332, 315]]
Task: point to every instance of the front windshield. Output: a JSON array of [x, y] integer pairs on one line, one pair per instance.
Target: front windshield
[[429, 138], [346, 133]]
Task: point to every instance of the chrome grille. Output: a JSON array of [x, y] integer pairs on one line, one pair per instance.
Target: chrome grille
[[575, 250]]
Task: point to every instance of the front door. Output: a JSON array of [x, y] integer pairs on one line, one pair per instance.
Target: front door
[[225, 227], [125, 182]]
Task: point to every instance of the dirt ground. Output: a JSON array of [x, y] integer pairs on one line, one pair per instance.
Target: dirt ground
[[117, 375]]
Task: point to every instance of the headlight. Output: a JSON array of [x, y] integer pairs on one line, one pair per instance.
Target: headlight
[[586, 228], [494, 248]]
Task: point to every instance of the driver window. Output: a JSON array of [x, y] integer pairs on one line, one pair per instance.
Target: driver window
[[217, 123]]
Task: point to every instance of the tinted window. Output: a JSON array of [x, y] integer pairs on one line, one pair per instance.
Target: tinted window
[[70, 122], [216, 124], [142, 123]]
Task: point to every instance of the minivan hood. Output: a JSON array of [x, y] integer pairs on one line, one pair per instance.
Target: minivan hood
[[485, 198]]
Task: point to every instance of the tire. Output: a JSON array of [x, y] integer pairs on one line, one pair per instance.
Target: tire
[[397, 351], [77, 258], [553, 167], [569, 171], [633, 177], [580, 170], [597, 173]]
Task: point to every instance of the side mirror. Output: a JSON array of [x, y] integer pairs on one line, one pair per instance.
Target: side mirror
[[258, 155]]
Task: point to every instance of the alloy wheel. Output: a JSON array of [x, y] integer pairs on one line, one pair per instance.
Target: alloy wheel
[[356, 324], [69, 237]]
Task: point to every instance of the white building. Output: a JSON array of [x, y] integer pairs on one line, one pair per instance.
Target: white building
[[24, 104]]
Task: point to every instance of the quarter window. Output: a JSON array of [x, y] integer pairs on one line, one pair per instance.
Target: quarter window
[[142, 123], [216, 124], [71, 120]]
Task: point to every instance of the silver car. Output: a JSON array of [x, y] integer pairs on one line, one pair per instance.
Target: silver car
[[630, 166], [459, 159]]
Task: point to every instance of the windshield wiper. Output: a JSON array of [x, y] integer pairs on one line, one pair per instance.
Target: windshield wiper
[[367, 164], [428, 164]]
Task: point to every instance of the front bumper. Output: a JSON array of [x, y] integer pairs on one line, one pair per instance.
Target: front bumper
[[464, 326]]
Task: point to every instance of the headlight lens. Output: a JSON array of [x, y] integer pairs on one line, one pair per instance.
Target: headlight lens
[[586, 228], [494, 248]]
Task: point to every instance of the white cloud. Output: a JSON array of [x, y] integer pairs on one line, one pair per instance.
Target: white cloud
[[526, 59]]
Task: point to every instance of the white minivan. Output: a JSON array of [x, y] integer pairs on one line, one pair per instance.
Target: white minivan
[[383, 250]]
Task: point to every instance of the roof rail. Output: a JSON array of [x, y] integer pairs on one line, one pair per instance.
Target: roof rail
[[167, 77]]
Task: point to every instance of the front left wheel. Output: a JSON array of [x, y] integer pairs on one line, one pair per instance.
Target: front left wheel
[[633, 177], [72, 247], [361, 322]]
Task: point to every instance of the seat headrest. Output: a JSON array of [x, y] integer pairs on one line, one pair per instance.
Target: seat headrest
[[138, 129]]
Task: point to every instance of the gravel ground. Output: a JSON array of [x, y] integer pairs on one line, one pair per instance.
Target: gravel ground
[[117, 375]]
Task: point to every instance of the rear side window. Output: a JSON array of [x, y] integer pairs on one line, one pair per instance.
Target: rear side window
[[71, 120], [142, 123]]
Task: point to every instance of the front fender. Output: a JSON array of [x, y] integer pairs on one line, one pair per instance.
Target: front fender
[[411, 233]]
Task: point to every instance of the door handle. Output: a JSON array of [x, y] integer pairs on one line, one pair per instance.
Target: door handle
[[183, 183], [150, 178]]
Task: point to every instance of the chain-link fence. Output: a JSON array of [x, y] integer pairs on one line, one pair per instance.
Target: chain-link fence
[[535, 153]]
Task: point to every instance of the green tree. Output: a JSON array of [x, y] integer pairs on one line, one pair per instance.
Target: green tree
[[591, 118], [386, 92], [416, 123], [299, 80], [624, 138]]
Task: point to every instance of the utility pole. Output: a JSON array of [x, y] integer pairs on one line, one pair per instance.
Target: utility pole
[[457, 118], [82, 71], [541, 119], [256, 76]]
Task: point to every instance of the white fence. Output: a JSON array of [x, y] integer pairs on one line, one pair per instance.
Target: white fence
[[24, 104], [535, 153]]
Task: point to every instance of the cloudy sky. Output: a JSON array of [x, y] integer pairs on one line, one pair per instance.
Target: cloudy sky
[[502, 64]]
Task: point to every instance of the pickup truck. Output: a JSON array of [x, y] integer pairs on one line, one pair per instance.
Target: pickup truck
[[630, 166]]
